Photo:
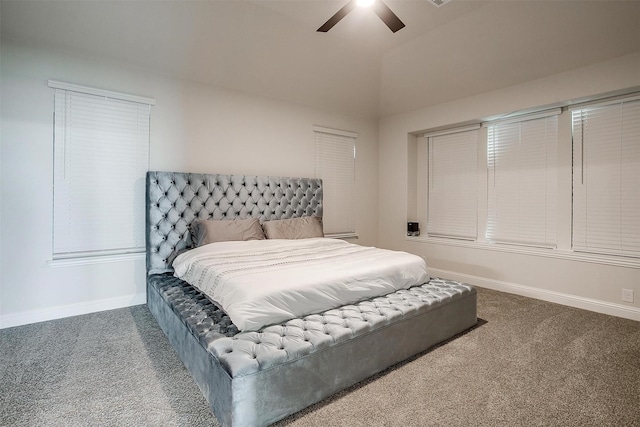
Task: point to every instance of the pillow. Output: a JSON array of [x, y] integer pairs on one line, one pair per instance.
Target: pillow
[[294, 228], [204, 231]]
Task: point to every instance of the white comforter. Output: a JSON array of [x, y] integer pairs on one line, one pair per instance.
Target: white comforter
[[261, 282]]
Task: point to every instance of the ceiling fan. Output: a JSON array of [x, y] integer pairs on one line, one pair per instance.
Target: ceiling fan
[[382, 10]]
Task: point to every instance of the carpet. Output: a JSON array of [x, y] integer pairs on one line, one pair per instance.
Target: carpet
[[528, 363]]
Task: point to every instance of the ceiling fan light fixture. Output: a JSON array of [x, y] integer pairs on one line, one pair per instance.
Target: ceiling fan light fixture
[[365, 3], [378, 6]]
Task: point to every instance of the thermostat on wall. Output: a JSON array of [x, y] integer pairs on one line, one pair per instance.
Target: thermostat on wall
[[413, 229]]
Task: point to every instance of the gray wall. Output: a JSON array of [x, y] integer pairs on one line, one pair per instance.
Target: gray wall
[[204, 128], [595, 283], [194, 127]]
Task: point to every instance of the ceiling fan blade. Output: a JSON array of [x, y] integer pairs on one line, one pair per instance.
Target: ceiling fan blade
[[388, 17], [338, 16]]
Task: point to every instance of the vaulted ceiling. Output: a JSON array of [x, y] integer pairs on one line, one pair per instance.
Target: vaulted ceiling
[[270, 47]]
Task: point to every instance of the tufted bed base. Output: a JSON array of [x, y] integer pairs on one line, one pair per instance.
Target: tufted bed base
[[257, 378]]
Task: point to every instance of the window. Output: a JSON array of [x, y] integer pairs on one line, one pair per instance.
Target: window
[[335, 164], [101, 155], [606, 178], [561, 182], [452, 206], [522, 180]]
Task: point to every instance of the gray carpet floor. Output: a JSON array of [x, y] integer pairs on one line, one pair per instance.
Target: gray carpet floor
[[528, 363]]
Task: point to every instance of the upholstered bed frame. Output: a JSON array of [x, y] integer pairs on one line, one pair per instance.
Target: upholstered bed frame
[[257, 378]]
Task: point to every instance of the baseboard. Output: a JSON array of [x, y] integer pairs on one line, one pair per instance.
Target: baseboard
[[35, 316], [619, 310], [598, 306]]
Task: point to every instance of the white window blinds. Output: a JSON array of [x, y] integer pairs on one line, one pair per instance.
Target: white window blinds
[[522, 181], [335, 164], [606, 178], [101, 155], [452, 206]]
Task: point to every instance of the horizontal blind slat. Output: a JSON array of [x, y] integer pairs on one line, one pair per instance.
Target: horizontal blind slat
[[521, 159], [452, 191], [606, 183], [101, 155], [335, 164]]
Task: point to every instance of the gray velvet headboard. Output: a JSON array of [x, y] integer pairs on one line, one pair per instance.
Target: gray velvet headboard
[[175, 199]]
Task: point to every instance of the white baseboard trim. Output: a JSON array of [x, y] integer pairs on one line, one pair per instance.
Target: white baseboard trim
[[598, 306], [619, 310], [35, 316]]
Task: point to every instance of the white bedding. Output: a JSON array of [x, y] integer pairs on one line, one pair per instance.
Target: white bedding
[[262, 282]]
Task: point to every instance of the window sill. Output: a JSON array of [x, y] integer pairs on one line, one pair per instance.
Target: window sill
[[617, 261], [342, 236], [98, 259]]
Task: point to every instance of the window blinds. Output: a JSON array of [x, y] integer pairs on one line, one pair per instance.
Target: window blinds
[[606, 178], [452, 209], [335, 153], [101, 155], [522, 181]]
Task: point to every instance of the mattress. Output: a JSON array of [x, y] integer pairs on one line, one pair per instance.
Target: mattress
[[262, 282], [256, 378]]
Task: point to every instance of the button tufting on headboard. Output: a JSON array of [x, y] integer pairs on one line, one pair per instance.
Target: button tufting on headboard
[[175, 199]]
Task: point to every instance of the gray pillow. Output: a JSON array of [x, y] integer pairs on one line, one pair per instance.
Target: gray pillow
[[211, 231], [293, 228]]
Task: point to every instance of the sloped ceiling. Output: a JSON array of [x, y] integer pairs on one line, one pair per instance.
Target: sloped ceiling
[[270, 47], [503, 44]]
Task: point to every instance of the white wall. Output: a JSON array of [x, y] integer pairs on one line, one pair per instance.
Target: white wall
[[193, 128], [564, 279]]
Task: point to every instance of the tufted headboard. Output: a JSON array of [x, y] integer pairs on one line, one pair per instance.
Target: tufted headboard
[[175, 199]]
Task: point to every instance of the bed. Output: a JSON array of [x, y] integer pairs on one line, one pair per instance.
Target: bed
[[257, 377]]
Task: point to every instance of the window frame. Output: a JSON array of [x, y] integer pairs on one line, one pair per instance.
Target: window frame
[[508, 166], [439, 222], [134, 136], [336, 166], [607, 217]]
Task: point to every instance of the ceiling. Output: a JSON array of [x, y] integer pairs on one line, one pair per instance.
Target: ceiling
[[270, 47]]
